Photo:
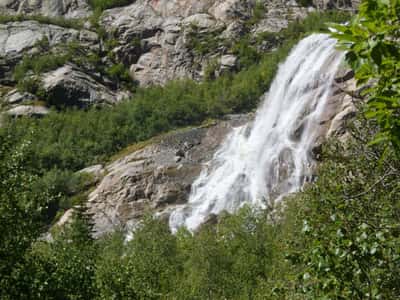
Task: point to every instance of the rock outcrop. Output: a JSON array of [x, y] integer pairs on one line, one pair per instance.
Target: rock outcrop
[[69, 86], [154, 36], [49, 8], [21, 38], [155, 177]]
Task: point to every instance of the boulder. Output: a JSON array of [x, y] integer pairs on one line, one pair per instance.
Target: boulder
[[202, 21], [69, 86], [228, 62]]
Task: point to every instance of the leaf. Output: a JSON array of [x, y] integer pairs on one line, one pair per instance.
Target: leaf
[[376, 54]]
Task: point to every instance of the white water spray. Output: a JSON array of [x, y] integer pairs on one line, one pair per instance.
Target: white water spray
[[262, 163]]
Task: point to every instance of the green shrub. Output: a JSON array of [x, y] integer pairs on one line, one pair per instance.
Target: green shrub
[[119, 73], [106, 4], [202, 43], [350, 222], [306, 3], [373, 52]]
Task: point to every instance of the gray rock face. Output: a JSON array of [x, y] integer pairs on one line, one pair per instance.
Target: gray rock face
[[151, 179], [68, 86], [19, 38], [95, 173], [160, 55], [163, 29], [50, 8]]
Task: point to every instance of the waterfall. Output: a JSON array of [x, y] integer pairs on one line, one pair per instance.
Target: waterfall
[[259, 163]]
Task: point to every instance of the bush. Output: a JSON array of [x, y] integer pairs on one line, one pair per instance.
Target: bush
[[350, 221], [106, 4], [373, 52]]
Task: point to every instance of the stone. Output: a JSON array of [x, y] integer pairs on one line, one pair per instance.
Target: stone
[[229, 10], [69, 86], [180, 8], [95, 172], [66, 218], [228, 61], [28, 110], [16, 97], [202, 21]]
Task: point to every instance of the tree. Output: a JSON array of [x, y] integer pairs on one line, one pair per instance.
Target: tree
[[22, 207], [371, 40]]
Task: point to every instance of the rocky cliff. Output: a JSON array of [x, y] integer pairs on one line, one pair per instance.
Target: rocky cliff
[[95, 59]]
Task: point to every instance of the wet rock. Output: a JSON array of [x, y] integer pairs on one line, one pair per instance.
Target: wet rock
[[151, 179]]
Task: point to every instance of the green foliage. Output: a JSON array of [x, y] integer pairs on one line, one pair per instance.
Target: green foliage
[[22, 207], [259, 11], [39, 64], [106, 4], [63, 268], [74, 139], [247, 47], [202, 42], [118, 73], [350, 221], [306, 3], [373, 51], [230, 259], [147, 267], [338, 239], [59, 21]]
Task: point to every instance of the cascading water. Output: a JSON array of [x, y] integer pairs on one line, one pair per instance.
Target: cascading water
[[260, 163]]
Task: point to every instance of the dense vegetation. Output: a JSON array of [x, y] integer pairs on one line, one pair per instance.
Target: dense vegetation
[[373, 51], [338, 239], [106, 4]]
